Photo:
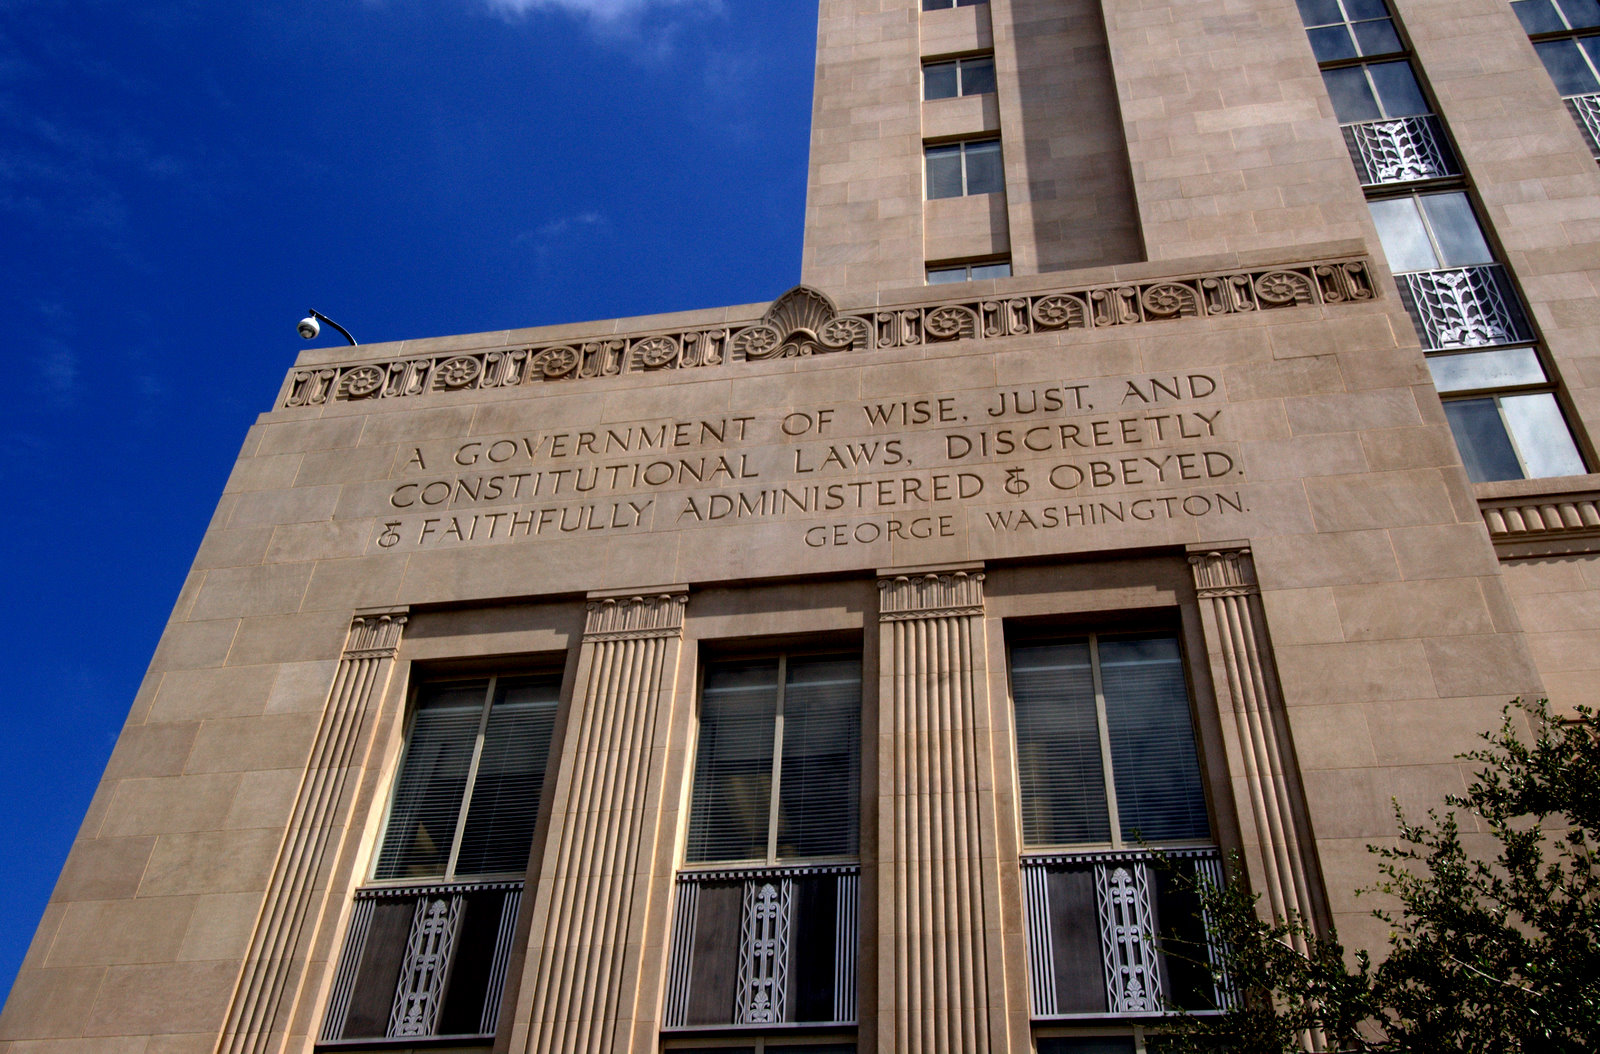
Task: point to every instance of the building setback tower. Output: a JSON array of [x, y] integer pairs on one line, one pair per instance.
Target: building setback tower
[[1181, 439]]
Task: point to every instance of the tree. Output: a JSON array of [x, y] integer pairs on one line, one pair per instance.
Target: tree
[[1489, 956]]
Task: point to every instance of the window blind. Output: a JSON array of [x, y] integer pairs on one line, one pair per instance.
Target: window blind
[[1159, 793], [820, 779], [505, 795], [433, 777], [1063, 794], [730, 812]]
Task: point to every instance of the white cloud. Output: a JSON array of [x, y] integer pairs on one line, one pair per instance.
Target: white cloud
[[599, 10]]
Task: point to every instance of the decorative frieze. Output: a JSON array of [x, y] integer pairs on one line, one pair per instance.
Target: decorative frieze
[[804, 322]]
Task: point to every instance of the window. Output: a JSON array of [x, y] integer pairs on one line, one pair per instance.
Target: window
[[1374, 91], [1505, 434], [764, 930], [1106, 762], [1425, 232], [957, 169], [946, 80], [1574, 63], [968, 272], [777, 767], [935, 5], [1347, 29], [1556, 16], [425, 954], [1105, 746]]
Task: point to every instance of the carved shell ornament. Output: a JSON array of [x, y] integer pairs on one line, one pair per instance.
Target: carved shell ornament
[[363, 381], [556, 362], [655, 352], [459, 371]]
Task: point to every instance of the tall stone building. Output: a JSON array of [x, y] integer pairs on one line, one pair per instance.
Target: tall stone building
[[1181, 439]]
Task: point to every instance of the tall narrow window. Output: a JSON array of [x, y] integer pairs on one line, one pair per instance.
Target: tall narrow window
[[1105, 747], [1563, 33], [1106, 762], [953, 77], [1347, 29], [765, 922], [426, 952]]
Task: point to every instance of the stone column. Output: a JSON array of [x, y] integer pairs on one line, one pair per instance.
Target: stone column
[[259, 1014], [1236, 636], [581, 986], [941, 983]]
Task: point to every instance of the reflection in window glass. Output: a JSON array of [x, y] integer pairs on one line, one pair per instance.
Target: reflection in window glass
[[1554, 16], [1347, 29], [954, 169], [1506, 368], [1455, 230], [1405, 239], [968, 272], [1481, 437], [1374, 91], [940, 80], [1426, 232], [1572, 64], [1541, 435]]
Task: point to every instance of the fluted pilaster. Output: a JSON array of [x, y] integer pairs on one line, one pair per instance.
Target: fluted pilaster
[[1236, 627], [259, 1013], [938, 974], [582, 979]]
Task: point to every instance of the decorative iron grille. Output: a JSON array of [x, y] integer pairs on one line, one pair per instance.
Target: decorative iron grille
[[1464, 307], [424, 962], [769, 946], [1400, 150], [1115, 934], [1586, 111]]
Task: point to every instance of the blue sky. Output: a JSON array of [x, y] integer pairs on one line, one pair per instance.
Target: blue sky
[[181, 179]]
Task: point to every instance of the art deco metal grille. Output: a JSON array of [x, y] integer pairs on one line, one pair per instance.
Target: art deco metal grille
[[1127, 924], [1586, 111], [769, 951], [1463, 307], [1400, 150], [426, 963]]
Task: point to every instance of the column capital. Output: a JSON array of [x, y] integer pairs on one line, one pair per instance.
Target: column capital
[[929, 593], [1224, 569], [636, 614], [375, 633]]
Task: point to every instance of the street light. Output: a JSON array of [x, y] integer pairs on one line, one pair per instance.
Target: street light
[[309, 326]]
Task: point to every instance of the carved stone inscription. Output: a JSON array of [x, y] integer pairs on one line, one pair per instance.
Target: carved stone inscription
[[1053, 457]]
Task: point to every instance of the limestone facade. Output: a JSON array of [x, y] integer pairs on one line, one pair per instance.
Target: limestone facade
[[1197, 413]]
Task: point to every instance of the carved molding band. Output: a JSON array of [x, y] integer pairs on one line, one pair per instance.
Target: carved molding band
[[930, 595], [635, 618], [804, 322], [256, 1021], [1571, 516]]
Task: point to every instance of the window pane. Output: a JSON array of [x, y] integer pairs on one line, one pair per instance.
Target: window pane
[[934, 5], [1397, 88], [944, 275], [505, 795], [1332, 43], [1481, 438], [1319, 12], [1582, 13], [994, 270], [969, 3], [1538, 16], [1542, 435], [1376, 38], [1351, 94], [1591, 48], [1153, 759], [1405, 240], [1455, 228], [1086, 1045], [939, 80], [944, 171], [984, 172], [819, 784], [731, 809], [1058, 745], [1359, 9], [1567, 68], [1486, 369], [977, 76], [433, 777]]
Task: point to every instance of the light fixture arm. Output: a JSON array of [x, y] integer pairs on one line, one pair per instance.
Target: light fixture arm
[[319, 316]]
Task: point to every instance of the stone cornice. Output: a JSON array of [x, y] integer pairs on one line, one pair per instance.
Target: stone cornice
[[931, 595], [635, 617], [804, 322]]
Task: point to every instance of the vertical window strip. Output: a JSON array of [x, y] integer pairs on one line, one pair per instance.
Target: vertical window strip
[[421, 835]]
